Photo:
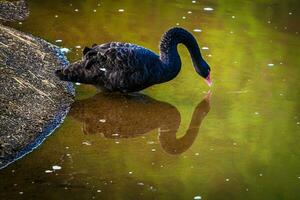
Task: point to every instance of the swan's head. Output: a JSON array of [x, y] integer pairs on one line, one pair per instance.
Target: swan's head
[[203, 70]]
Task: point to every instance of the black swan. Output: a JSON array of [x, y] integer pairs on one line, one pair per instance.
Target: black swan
[[126, 67], [128, 116]]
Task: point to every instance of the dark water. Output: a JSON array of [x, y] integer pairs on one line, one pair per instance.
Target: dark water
[[174, 141]]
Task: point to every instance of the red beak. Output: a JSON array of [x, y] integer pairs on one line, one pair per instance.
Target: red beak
[[208, 80]]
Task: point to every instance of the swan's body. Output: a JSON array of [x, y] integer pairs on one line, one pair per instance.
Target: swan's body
[[126, 67]]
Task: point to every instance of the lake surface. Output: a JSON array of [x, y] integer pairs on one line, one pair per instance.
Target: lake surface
[[175, 140]]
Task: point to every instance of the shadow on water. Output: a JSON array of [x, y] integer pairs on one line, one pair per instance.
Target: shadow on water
[[117, 116]]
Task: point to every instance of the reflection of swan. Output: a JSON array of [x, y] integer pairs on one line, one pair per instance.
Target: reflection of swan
[[119, 116]]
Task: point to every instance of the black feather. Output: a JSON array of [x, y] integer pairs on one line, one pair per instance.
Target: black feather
[[85, 50]]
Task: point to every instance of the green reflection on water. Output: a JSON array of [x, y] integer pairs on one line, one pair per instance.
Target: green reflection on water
[[247, 145]]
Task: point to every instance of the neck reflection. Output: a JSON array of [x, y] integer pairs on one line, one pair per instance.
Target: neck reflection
[[118, 116]]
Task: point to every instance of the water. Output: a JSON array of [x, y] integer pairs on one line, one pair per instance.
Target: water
[[161, 145]]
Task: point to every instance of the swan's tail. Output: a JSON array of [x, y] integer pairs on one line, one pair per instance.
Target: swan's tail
[[74, 72], [79, 72], [86, 70]]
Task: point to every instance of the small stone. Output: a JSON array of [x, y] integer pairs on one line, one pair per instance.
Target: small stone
[[208, 9], [102, 120], [87, 143], [197, 197], [56, 167], [197, 30]]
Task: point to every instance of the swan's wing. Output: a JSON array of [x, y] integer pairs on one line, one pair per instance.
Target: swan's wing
[[127, 67]]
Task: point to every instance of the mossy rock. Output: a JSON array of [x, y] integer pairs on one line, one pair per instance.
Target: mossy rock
[[13, 10], [33, 101]]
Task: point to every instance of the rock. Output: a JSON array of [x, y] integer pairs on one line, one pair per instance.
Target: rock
[[33, 102], [13, 11]]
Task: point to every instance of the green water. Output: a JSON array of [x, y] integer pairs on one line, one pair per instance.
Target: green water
[[174, 142]]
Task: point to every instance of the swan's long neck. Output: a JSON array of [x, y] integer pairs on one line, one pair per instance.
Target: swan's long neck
[[169, 55]]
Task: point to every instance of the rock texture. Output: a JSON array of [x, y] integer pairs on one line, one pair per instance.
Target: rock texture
[[13, 11], [33, 102]]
